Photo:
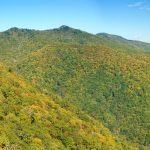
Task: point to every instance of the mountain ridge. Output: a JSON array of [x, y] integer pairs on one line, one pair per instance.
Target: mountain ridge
[[66, 28]]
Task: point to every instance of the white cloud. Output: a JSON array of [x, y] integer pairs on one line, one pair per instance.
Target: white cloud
[[139, 5]]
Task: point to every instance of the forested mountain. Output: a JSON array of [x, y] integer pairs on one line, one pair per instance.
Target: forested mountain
[[68, 89]]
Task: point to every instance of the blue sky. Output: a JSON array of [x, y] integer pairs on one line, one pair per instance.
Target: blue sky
[[128, 18]]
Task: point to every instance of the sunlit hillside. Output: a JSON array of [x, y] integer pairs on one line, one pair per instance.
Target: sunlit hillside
[[68, 89]]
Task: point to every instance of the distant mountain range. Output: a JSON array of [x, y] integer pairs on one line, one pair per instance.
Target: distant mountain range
[[68, 89]]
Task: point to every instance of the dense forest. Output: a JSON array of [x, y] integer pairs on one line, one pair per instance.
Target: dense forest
[[67, 89]]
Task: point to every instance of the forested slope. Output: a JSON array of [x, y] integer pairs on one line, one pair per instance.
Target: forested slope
[[32, 120], [107, 77]]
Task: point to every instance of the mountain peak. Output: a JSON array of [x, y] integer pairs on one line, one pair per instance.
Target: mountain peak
[[13, 29], [64, 27]]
